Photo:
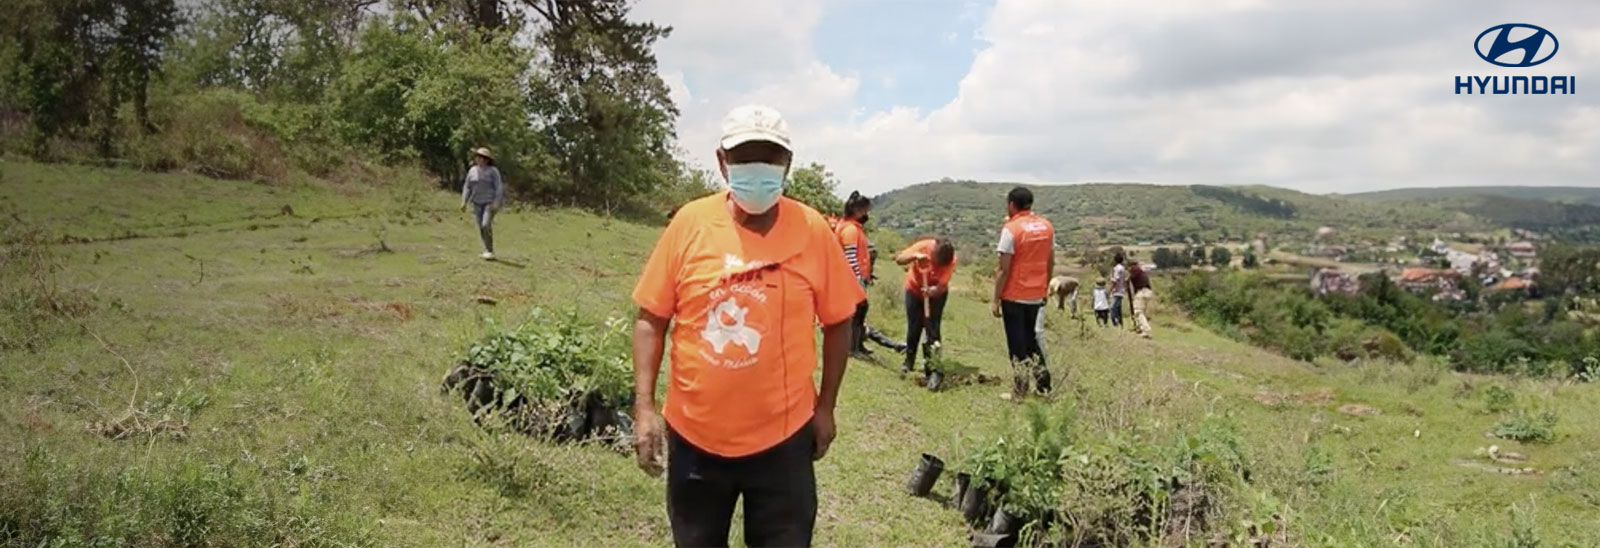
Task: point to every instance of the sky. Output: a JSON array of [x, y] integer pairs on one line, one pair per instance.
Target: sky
[[1320, 96]]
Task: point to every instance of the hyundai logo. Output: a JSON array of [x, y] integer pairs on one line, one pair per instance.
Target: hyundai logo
[[1496, 46]]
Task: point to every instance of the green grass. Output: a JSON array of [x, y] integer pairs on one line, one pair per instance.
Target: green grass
[[285, 381]]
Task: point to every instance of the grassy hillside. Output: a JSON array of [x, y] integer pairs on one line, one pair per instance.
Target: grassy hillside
[[188, 362], [1132, 213], [1563, 194]]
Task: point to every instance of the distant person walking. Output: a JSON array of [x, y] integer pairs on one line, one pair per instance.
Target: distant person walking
[[852, 236], [1143, 297], [930, 264], [1021, 283], [1119, 289], [1063, 289], [741, 278], [486, 192], [1102, 303]]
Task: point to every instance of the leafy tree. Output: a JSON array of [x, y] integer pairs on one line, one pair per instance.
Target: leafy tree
[[1167, 258], [605, 112], [817, 187], [1197, 254], [1221, 257], [1569, 269], [1250, 259]]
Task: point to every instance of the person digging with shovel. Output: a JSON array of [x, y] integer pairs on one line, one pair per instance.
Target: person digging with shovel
[[931, 262]]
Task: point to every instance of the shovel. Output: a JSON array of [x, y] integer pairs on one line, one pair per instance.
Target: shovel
[[935, 377]]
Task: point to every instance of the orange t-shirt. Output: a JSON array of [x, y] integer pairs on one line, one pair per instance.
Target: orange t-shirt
[[936, 275], [1031, 241], [850, 233], [744, 308]]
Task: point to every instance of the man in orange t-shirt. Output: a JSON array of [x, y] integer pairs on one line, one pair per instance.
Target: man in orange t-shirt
[[1027, 260], [931, 263], [742, 277]]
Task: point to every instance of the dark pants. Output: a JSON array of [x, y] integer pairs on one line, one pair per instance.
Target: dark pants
[[1116, 310], [915, 325], [779, 487], [858, 327], [483, 216], [1102, 316], [1023, 342]]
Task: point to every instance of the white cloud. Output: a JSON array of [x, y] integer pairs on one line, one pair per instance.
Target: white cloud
[[1320, 96]]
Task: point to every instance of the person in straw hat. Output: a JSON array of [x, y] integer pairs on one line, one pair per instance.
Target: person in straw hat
[[486, 192]]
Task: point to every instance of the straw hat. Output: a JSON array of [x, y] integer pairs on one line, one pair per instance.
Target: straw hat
[[484, 152]]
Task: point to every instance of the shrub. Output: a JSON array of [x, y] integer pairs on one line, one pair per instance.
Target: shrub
[[1527, 427], [558, 357], [209, 133], [1499, 399]]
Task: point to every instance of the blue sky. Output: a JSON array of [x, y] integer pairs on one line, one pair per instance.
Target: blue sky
[[1315, 95], [910, 53]]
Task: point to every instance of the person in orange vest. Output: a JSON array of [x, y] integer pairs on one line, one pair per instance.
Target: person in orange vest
[[1021, 284], [931, 262], [853, 238], [739, 280]]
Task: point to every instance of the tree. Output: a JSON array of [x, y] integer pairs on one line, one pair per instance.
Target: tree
[[1569, 269], [1250, 260], [1166, 258], [817, 187], [1221, 257], [1197, 255], [605, 111]]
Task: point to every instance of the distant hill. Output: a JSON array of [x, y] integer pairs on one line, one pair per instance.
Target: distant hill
[[1562, 194], [971, 212]]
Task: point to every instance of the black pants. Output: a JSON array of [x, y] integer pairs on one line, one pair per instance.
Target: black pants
[[914, 322], [1102, 316], [1023, 342], [779, 487], [858, 327]]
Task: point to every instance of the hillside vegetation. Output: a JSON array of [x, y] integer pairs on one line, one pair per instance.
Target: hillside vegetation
[[1124, 214], [223, 363], [1563, 194]]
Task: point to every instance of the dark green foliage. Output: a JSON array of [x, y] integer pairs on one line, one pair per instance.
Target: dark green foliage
[[1221, 257], [1383, 320], [817, 187], [1167, 258], [558, 357], [1246, 202], [1250, 260], [566, 92]]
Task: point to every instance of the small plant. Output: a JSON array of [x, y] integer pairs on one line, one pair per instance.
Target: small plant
[[1499, 399], [1528, 428]]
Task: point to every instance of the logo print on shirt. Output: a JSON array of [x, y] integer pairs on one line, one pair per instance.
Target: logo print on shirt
[[726, 325]]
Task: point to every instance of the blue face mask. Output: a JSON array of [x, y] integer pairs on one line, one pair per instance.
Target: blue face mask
[[755, 187]]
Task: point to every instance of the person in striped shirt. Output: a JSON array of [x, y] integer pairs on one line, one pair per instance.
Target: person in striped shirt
[[853, 238]]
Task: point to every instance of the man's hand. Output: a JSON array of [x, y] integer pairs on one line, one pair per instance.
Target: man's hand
[[995, 309], [648, 436], [935, 291], [822, 425]]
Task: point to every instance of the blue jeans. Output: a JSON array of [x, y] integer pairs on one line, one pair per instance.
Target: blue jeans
[[483, 216]]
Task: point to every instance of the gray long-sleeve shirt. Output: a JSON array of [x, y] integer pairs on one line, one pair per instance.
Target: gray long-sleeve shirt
[[483, 186]]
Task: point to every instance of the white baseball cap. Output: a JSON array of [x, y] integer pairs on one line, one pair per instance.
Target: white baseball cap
[[754, 123]]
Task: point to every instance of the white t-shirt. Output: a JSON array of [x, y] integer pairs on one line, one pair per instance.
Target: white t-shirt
[[1008, 245], [1101, 301], [1119, 281]]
